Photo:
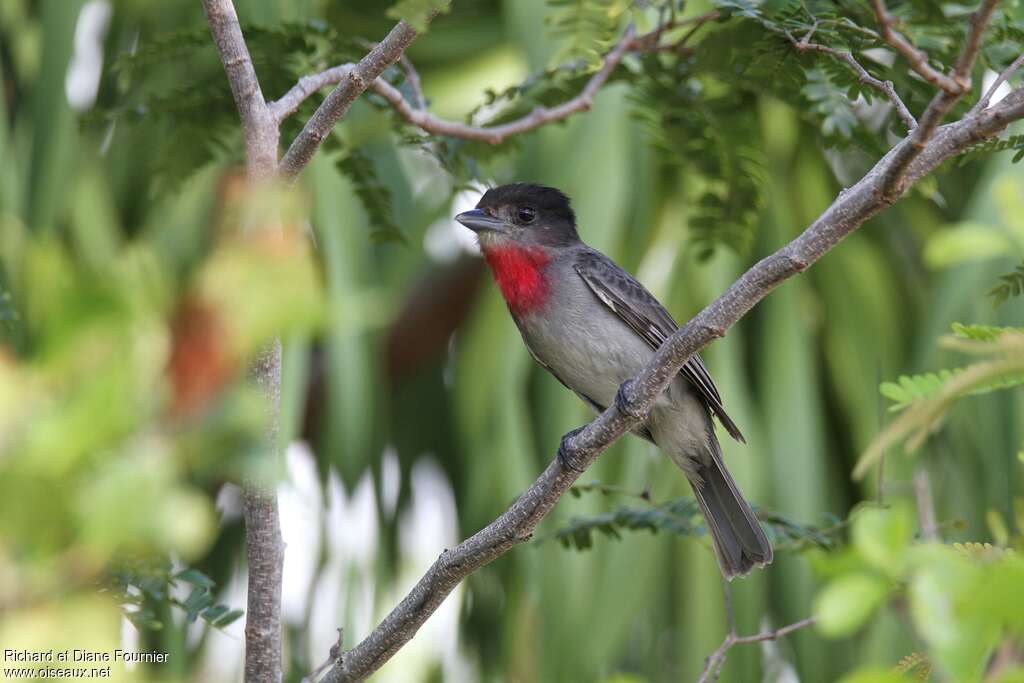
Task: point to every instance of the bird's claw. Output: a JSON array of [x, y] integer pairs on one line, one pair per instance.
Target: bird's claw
[[564, 459], [626, 402]]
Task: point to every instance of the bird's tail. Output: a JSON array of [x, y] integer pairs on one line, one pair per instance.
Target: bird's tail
[[739, 540]]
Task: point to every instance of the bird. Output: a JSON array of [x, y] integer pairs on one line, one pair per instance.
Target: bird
[[593, 326]]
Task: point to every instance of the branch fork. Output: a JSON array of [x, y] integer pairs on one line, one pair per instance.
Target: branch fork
[[713, 664], [885, 87], [417, 115]]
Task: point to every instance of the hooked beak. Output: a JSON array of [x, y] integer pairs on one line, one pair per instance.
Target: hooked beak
[[480, 221]]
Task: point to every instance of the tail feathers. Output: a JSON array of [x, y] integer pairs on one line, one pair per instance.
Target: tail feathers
[[739, 540]]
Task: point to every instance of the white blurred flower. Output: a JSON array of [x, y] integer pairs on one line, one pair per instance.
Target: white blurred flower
[[82, 81]]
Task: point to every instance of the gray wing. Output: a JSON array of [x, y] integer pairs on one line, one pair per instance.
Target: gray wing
[[638, 308]]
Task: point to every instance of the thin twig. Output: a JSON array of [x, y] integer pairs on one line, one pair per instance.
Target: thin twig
[[918, 58], [847, 213], [925, 505], [979, 21], [697, 22], [1003, 77], [717, 658], [885, 87], [936, 111], [306, 87], [412, 77], [437, 126], [417, 115], [332, 657], [337, 104], [713, 664]]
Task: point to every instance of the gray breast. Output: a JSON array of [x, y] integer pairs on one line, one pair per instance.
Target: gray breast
[[581, 340]]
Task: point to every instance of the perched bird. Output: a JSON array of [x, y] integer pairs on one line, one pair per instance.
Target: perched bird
[[593, 327]]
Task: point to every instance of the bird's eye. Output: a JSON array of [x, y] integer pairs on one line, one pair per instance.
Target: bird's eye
[[526, 215]]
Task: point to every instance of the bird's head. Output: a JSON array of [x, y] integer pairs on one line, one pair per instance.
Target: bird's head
[[521, 228], [524, 215]]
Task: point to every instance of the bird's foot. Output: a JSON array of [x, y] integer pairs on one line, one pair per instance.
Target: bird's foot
[[565, 456], [626, 401]]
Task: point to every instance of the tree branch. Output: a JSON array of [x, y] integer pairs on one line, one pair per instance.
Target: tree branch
[[925, 505], [847, 213], [337, 104], [417, 115], [263, 542], [918, 58], [713, 664], [941, 104], [412, 77], [258, 124], [885, 87], [429, 123], [1003, 77], [717, 658], [972, 47]]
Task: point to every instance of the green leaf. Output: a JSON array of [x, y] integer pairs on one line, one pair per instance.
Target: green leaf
[[374, 195], [943, 604], [228, 618], [916, 663], [196, 124], [926, 386], [983, 149], [213, 613], [910, 388], [966, 242], [195, 577], [847, 602], [882, 536], [982, 333], [831, 103], [1010, 285], [1004, 599], [713, 136], [198, 600], [681, 517], [873, 676], [586, 28], [997, 526]]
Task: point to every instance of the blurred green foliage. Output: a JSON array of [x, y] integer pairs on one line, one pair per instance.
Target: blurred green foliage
[[962, 599], [138, 275]]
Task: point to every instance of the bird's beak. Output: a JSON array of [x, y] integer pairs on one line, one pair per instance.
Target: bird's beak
[[480, 221]]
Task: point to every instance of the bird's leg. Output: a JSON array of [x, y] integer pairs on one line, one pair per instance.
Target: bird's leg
[[625, 400], [565, 456]]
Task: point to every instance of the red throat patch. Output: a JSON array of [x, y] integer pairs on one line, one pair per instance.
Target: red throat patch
[[519, 272]]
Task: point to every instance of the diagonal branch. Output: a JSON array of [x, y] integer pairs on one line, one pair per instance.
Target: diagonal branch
[[917, 58], [847, 213], [972, 46], [885, 87], [337, 104], [535, 119], [936, 111], [1003, 77], [417, 115], [429, 123]]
